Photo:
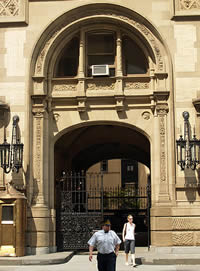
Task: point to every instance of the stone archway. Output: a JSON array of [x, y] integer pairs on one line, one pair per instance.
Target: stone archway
[[82, 199], [58, 106]]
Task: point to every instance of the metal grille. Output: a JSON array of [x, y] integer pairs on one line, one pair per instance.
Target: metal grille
[[83, 200]]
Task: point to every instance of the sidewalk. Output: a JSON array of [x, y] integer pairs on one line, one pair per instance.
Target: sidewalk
[[163, 256]]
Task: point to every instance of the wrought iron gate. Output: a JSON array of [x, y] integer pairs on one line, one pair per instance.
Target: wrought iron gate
[[83, 200]]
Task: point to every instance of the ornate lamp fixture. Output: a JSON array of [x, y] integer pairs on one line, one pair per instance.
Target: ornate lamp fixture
[[11, 155], [187, 148]]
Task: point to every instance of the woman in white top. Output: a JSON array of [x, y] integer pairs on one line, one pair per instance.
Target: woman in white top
[[128, 236]]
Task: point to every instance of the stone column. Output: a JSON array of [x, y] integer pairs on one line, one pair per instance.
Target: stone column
[[119, 73], [162, 111], [81, 71], [119, 55]]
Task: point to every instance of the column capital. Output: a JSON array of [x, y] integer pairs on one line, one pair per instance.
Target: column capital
[[38, 112], [162, 109]]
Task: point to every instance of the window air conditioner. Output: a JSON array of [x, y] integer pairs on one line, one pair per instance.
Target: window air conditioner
[[99, 70]]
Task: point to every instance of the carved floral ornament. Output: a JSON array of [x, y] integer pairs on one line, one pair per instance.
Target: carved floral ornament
[[104, 13], [100, 86], [189, 4], [9, 8]]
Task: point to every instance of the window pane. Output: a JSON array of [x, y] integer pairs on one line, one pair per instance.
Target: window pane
[[100, 43], [68, 64], [134, 59], [7, 213], [98, 60], [104, 166]]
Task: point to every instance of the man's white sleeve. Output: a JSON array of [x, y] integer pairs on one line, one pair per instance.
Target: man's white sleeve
[[92, 240]]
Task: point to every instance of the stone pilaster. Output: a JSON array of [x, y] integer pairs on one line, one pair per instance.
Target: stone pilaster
[[38, 156], [119, 72], [81, 72], [162, 111]]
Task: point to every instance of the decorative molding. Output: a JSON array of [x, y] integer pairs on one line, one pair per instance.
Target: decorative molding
[[135, 85], [64, 87], [13, 11], [107, 13], [100, 85]]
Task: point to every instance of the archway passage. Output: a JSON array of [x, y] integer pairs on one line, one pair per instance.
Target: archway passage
[[83, 199]]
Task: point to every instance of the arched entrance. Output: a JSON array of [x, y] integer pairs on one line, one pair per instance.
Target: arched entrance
[[87, 117], [84, 198]]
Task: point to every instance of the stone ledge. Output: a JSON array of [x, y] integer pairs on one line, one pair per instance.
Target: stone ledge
[[51, 258]]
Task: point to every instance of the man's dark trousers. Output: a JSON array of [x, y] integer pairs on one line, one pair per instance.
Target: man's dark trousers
[[106, 262]]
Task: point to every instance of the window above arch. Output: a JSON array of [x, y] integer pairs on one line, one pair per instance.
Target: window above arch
[[100, 48]]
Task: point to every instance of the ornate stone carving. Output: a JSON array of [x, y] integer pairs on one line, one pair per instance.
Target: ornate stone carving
[[146, 115], [38, 148], [64, 87], [101, 86], [162, 111], [9, 8], [182, 239], [189, 4], [108, 13], [136, 85], [162, 148]]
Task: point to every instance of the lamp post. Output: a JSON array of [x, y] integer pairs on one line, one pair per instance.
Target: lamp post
[[187, 148], [11, 155]]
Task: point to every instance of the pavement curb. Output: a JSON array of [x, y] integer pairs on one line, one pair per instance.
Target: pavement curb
[[48, 259], [167, 261]]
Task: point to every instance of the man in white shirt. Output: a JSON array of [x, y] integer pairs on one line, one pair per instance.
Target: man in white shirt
[[107, 243]]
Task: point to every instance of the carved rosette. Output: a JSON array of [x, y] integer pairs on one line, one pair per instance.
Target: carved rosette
[[189, 4], [107, 13], [9, 8]]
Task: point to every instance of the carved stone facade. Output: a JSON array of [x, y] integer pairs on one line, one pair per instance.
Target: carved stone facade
[[56, 111]]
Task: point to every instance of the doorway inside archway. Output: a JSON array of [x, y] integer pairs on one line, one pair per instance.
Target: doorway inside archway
[[101, 171]]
